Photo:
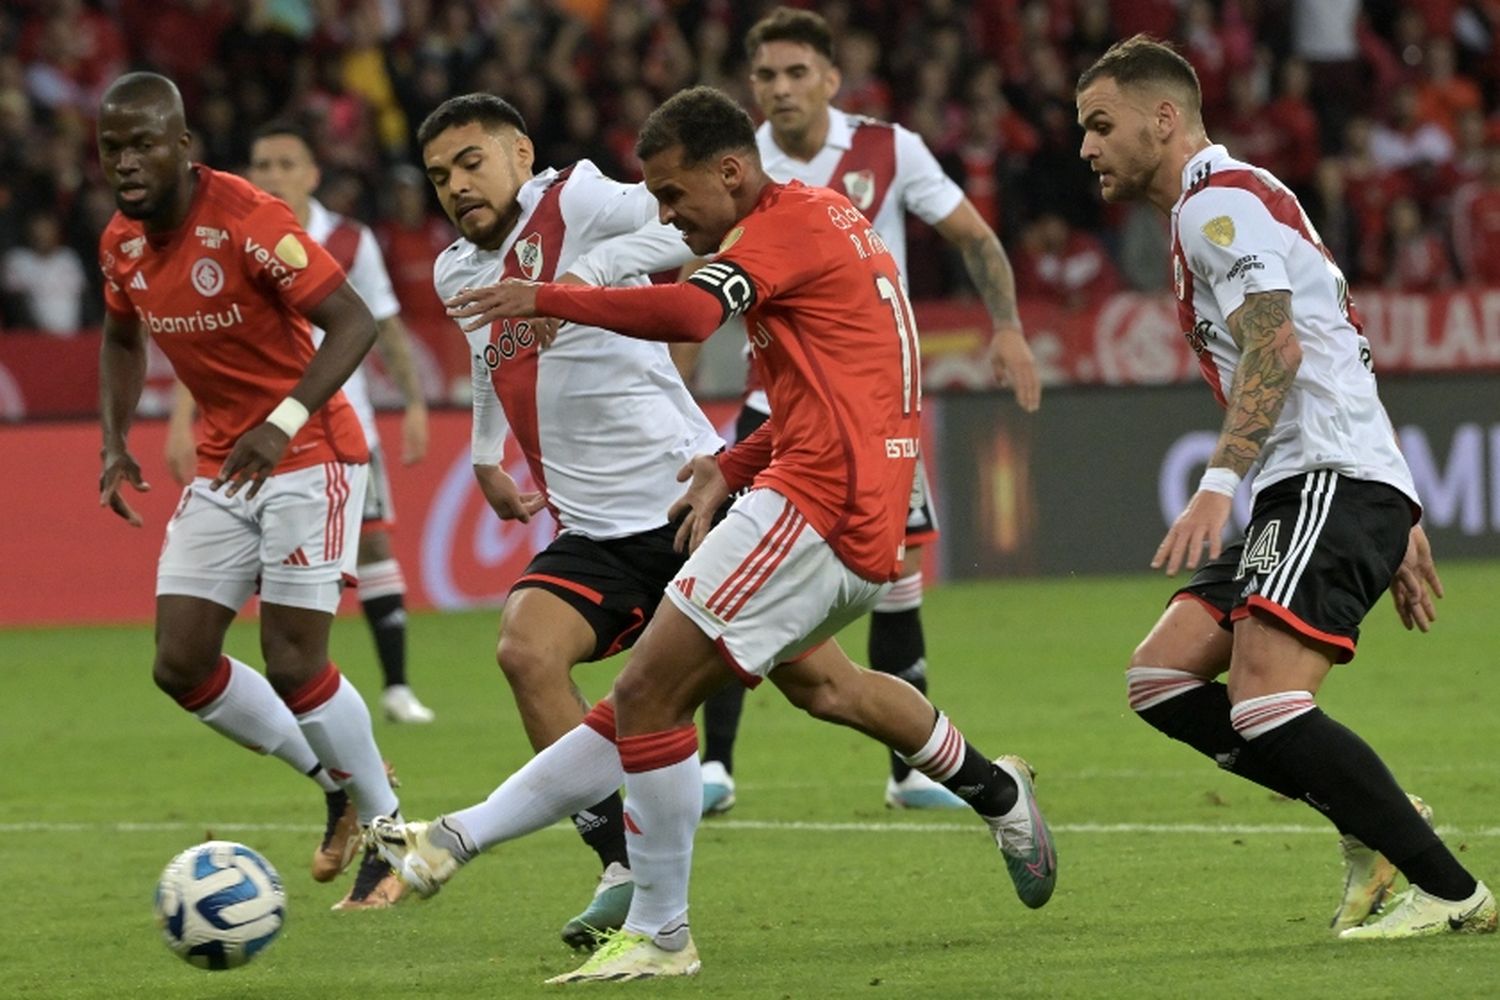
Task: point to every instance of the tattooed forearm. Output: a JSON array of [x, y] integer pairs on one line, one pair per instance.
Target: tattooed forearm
[[1269, 356], [989, 269]]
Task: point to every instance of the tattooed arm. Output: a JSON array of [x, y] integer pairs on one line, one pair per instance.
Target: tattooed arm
[[989, 269], [1269, 357]]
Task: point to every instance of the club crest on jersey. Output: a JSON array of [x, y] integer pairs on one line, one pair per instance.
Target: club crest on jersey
[[859, 185], [133, 248], [212, 237], [291, 252], [529, 256], [1220, 231], [208, 276]]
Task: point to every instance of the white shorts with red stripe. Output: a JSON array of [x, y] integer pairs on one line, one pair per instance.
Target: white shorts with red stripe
[[298, 539], [766, 588]]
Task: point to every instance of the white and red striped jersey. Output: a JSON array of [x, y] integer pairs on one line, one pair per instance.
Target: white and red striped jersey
[[353, 245], [1238, 230], [604, 421]]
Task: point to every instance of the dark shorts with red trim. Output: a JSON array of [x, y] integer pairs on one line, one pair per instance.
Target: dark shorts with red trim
[[921, 512], [1319, 551], [614, 584]]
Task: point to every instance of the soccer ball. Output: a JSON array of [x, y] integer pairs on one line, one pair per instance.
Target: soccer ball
[[219, 904]]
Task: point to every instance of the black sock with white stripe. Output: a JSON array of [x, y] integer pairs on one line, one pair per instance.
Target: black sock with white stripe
[[1347, 781], [602, 827], [952, 762]]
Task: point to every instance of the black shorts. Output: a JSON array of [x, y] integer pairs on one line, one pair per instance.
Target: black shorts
[[1319, 551], [921, 512], [614, 584]]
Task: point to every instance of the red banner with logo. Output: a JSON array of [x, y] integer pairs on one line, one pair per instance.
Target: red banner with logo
[[67, 560]]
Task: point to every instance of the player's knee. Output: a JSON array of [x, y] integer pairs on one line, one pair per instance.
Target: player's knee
[[826, 701], [527, 664], [176, 672]]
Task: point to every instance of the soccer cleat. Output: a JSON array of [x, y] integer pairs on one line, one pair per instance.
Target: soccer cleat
[[1024, 839], [605, 913], [917, 791], [376, 886], [411, 854], [401, 705], [1368, 877], [718, 789], [625, 955], [340, 838], [1417, 914]]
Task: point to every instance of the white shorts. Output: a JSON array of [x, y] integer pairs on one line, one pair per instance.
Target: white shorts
[[297, 539], [766, 588], [379, 509]]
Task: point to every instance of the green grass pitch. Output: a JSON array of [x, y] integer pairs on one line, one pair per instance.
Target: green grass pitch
[[1177, 880]]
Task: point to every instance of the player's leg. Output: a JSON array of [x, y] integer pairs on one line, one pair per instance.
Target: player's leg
[[723, 709], [382, 596], [207, 570], [309, 522], [1321, 549]]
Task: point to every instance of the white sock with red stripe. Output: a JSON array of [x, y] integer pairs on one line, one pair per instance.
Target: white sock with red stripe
[[663, 801], [1257, 716], [336, 723], [954, 763], [943, 753], [580, 769], [1147, 687], [239, 703], [381, 579]]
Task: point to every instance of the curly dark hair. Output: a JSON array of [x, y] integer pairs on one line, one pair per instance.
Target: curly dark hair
[[703, 121]]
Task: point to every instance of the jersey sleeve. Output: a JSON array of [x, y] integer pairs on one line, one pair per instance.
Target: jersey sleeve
[[116, 301], [603, 208], [651, 248], [487, 438], [926, 191], [370, 278], [770, 255], [282, 260], [1233, 244]]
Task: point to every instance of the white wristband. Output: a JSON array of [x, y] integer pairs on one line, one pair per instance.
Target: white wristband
[[289, 416], [1219, 480]]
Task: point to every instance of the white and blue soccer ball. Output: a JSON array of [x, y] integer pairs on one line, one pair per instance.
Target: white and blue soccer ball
[[219, 904]]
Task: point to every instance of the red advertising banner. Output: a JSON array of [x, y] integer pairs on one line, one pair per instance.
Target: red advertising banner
[[1129, 339], [66, 559]]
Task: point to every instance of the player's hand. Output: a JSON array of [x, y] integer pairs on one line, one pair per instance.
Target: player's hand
[[181, 453], [505, 497], [414, 433], [120, 468], [1416, 583], [697, 507], [476, 308], [1201, 523], [1011, 358], [254, 457]]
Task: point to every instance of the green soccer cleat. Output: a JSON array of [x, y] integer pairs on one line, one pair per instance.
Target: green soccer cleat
[[1368, 877], [1024, 839], [409, 850], [626, 955], [1417, 914], [605, 913]]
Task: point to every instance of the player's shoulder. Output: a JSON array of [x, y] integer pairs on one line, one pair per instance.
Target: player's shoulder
[[1219, 211], [122, 239], [229, 196], [454, 266]]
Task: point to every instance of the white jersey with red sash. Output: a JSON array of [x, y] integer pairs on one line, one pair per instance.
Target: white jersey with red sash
[[604, 421], [354, 247], [884, 169], [1237, 230]]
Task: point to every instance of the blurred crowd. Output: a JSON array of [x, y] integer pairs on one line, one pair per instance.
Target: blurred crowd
[[1384, 115]]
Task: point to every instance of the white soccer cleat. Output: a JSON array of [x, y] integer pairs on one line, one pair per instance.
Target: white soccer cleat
[[1368, 877], [1417, 914], [917, 791], [626, 955], [401, 705], [718, 789], [1024, 839], [412, 855]]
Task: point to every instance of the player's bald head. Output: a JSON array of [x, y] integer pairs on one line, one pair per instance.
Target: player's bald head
[[145, 93]]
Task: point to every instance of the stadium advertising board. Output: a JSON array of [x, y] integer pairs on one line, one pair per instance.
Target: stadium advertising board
[[1090, 483]]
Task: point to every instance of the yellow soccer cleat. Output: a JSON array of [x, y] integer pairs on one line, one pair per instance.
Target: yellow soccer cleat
[[626, 955]]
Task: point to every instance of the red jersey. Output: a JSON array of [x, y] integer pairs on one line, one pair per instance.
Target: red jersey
[[833, 341], [224, 295]]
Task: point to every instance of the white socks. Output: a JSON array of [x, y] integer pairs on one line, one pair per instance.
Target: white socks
[[336, 723], [240, 703]]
